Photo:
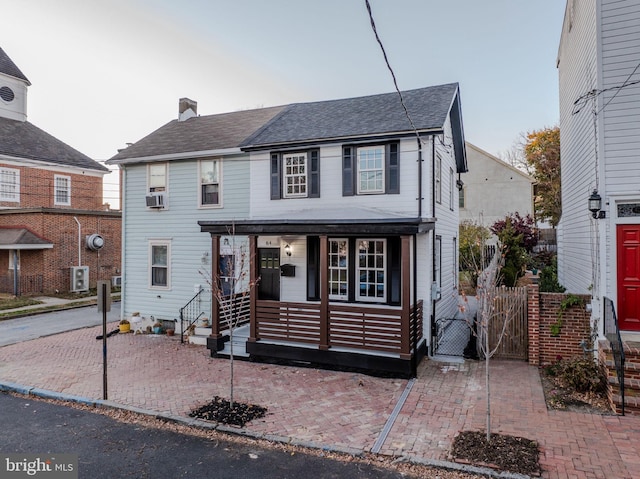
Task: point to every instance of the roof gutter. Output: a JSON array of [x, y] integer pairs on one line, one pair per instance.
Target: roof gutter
[[176, 156]]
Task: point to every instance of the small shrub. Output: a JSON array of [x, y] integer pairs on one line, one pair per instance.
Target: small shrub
[[549, 280], [583, 375]]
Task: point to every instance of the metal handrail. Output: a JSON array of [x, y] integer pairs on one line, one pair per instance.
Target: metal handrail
[[190, 310], [612, 333]]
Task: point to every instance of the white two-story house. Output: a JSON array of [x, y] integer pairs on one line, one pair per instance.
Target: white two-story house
[[349, 211], [599, 232]]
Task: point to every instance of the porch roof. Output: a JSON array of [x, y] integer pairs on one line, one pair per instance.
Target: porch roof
[[21, 238], [326, 221]]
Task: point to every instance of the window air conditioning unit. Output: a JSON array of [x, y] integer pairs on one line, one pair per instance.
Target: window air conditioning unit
[[79, 278], [155, 201], [116, 281]]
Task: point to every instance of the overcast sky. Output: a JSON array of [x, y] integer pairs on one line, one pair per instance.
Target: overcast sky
[[105, 73]]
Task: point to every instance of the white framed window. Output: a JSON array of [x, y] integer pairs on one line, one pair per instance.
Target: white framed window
[[210, 183], [12, 257], [371, 166], [438, 260], [160, 264], [461, 197], [62, 190], [451, 188], [339, 269], [438, 179], [157, 177], [371, 270], [9, 184], [295, 175]]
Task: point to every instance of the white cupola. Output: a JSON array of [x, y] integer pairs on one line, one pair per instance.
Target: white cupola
[[13, 90]]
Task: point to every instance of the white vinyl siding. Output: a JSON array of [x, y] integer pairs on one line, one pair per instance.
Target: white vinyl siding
[[10, 184], [62, 190]]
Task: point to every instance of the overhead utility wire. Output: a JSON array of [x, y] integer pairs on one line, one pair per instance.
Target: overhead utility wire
[[582, 100], [393, 75]]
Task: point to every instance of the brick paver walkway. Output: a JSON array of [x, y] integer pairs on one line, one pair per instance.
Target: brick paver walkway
[[336, 409]]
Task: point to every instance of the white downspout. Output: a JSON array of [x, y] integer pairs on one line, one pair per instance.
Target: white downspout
[[79, 242]]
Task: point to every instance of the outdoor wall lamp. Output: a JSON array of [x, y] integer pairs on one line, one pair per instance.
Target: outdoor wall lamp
[[595, 205], [287, 249]]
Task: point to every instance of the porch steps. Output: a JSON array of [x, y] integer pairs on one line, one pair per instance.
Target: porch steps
[[631, 377], [240, 337], [199, 336]]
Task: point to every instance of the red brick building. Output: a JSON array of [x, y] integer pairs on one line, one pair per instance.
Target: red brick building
[[53, 224]]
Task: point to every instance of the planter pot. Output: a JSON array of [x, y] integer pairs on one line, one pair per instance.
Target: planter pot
[[125, 328], [170, 332], [157, 329]]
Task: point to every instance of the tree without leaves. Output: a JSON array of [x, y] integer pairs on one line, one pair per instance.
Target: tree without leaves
[[542, 151], [492, 318]]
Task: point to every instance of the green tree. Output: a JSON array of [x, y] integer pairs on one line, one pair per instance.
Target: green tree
[[472, 240], [542, 152]]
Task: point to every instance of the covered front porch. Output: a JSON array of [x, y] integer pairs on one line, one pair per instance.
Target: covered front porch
[[307, 324]]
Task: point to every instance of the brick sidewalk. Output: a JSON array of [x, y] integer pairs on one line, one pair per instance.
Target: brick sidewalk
[[336, 409]]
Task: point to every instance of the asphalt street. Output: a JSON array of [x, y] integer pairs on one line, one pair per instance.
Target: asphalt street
[[45, 324], [111, 449]]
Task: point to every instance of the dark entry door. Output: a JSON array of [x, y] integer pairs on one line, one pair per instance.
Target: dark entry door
[[629, 277], [269, 270]]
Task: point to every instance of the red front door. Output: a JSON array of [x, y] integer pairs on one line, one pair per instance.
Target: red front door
[[629, 277]]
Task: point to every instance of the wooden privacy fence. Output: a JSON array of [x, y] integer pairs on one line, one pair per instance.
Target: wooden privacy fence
[[507, 326]]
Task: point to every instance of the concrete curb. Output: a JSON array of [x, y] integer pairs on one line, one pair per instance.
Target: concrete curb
[[197, 423]]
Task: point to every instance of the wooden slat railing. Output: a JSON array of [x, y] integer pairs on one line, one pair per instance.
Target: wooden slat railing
[[359, 326]]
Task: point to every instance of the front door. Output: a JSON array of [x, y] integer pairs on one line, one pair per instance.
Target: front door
[[629, 277], [269, 271]]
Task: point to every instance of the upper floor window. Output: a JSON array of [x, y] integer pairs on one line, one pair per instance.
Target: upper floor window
[[157, 177], [209, 183], [371, 169], [461, 197], [295, 175], [451, 188], [438, 179], [159, 264], [9, 184], [62, 190]]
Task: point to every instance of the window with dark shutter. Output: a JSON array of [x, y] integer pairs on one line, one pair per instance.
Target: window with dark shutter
[[313, 268], [347, 171], [275, 177]]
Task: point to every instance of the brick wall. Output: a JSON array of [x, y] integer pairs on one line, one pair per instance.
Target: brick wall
[[60, 228], [37, 189], [543, 309]]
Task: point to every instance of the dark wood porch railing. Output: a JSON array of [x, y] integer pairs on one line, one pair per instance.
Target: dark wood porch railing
[[359, 326]]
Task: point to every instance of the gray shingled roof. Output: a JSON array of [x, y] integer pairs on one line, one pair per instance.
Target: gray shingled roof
[[201, 133], [22, 139], [9, 68], [358, 117], [21, 238]]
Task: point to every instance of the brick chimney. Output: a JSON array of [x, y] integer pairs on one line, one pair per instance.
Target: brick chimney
[[187, 109]]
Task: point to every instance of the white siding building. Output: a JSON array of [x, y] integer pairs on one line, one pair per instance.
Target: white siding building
[[599, 74]]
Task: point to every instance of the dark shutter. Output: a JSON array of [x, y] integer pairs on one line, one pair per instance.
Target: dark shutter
[[394, 265], [314, 174], [313, 268], [275, 177], [393, 169], [348, 173]]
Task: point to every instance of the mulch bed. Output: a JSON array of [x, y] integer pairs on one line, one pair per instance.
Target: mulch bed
[[221, 410], [502, 452]]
